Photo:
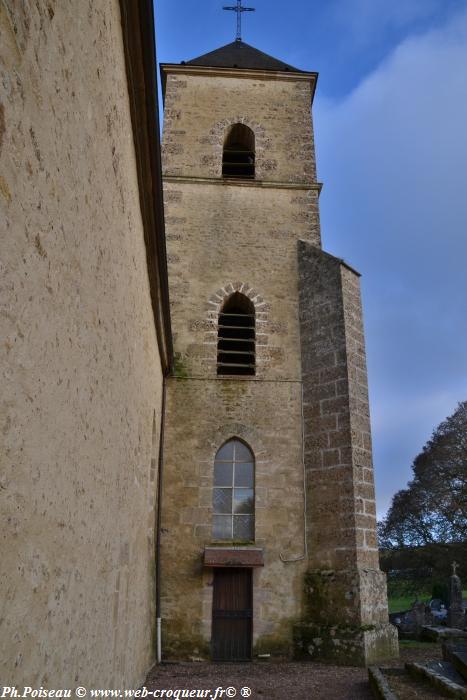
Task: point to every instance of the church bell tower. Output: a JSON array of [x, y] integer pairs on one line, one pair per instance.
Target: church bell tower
[[269, 531]]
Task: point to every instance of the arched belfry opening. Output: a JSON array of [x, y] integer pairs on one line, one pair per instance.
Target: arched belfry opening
[[238, 159], [236, 336]]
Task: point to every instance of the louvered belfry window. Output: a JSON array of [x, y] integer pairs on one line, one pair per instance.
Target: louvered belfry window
[[236, 336], [238, 158]]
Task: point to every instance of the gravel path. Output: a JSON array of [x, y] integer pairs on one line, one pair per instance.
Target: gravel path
[[268, 680], [275, 680]]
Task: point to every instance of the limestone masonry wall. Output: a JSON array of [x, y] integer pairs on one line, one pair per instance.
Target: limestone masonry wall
[[201, 416], [223, 238], [235, 235], [81, 378], [198, 109]]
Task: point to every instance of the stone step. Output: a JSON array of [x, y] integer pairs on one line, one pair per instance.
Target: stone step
[[453, 645], [441, 675], [456, 654], [398, 684], [459, 661], [379, 684], [432, 633]]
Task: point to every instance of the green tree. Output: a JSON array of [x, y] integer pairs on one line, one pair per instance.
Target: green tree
[[432, 510]]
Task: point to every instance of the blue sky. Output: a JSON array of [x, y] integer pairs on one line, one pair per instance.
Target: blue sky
[[391, 137]]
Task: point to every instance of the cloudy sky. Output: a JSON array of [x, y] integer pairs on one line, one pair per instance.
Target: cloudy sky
[[391, 137]]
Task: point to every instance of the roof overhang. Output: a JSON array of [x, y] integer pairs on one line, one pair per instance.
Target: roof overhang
[[239, 557], [249, 73], [137, 20]]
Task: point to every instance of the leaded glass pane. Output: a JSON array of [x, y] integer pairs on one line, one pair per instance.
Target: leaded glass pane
[[222, 527], [244, 527], [242, 453], [222, 500], [233, 494], [223, 474], [226, 452], [244, 474], [243, 501]]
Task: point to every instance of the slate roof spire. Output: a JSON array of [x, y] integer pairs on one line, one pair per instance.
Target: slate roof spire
[[241, 55]]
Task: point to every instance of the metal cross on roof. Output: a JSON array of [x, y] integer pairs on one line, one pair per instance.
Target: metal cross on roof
[[239, 9]]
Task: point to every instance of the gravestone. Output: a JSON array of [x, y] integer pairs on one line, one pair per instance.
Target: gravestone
[[419, 616], [456, 615]]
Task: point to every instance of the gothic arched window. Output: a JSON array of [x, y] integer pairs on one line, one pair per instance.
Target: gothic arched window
[[238, 159], [233, 497], [236, 336]]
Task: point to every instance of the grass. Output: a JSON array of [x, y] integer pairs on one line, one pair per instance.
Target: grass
[[415, 644], [404, 602], [401, 603]]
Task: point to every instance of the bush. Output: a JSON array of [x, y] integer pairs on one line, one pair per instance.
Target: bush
[[441, 591]]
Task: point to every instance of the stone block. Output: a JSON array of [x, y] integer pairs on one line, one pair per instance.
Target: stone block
[[346, 645]]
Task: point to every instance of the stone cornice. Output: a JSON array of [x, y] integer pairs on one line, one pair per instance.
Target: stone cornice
[[265, 184], [185, 69]]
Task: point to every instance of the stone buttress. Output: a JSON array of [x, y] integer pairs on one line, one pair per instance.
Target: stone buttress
[[347, 615]]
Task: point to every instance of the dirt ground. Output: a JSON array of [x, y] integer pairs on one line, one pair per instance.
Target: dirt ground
[[274, 680]]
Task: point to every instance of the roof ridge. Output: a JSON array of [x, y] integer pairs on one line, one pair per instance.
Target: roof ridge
[[239, 54]]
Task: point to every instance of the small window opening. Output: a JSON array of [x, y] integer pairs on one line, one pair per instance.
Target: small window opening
[[238, 159], [236, 336]]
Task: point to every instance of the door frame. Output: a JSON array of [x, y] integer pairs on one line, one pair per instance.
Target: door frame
[[248, 616]]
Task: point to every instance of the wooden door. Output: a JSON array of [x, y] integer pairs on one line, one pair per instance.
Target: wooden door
[[232, 614]]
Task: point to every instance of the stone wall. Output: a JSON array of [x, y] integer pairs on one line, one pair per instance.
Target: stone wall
[[223, 238], [81, 386], [201, 416], [199, 109]]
